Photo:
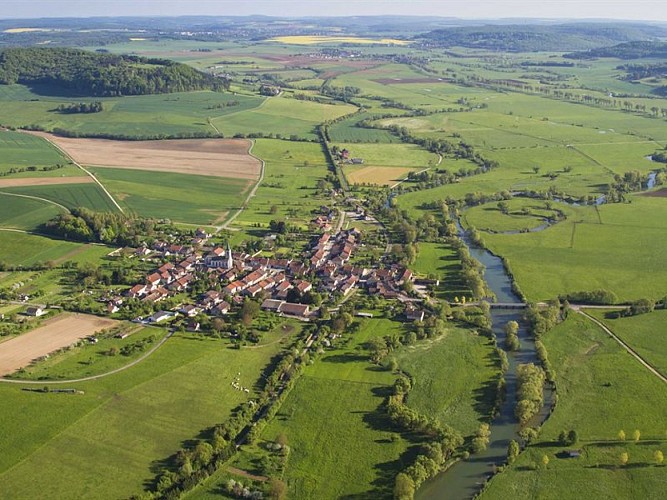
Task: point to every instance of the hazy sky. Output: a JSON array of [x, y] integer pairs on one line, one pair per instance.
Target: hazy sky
[[472, 9]]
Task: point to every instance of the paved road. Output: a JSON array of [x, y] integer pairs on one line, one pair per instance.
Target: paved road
[[625, 346]]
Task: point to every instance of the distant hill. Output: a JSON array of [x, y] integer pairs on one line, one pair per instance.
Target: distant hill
[[84, 73], [549, 38], [629, 50]]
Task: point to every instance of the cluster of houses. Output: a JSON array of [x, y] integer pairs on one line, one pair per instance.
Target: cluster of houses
[[281, 282], [344, 156]]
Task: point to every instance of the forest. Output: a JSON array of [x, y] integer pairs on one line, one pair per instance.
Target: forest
[[83, 73]]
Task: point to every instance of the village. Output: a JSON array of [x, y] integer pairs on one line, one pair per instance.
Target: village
[[286, 286]]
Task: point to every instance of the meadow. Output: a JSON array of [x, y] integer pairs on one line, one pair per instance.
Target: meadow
[[439, 261], [25, 213], [71, 196], [522, 214], [19, 249], [133, 116], [126, 424], [645, 333], [194, 199], [595, 377], [20, 150]]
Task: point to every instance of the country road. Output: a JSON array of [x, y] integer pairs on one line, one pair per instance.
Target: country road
[[625, 346]]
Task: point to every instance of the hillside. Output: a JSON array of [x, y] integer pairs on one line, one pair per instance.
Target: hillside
[[84, 73], [629, 50], [536, 38]]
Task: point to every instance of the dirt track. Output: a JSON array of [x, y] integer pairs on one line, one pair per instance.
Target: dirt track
[[55, 333], [44, 181], [213, 157]]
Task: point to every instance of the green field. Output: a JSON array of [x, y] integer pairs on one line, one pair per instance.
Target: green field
[[89, 196], [124, 424], [23, 151], [195, 199], [489, 217], [390, 155], [25, 213], [601, 390], [645, 333], [452, 375], [19, 249], [280, 115], [148, 115], [335, 425], [440, 261]]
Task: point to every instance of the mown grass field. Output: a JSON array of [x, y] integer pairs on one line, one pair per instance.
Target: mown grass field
[[280, 115], [124, 424], [149, 115], [617, 247], [646, 334], [19, 150], [194, 199], [25, 213], [19, 249], [454, 378], [488, 217], [601, 391], [439, 261], [335, 426], [89, 196]]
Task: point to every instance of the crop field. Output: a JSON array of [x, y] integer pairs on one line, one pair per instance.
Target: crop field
[[23, 151], [44, 181], [132, 116], [293, 170], [645, 333], [25, 213], [280, 115], [87, 195], [595, 377], [55, 333], [346, 131], [379, 176], [20, 249], [617, 247], [69, 437], [335, 425], [452, 374], [214, 157], [194, 199]]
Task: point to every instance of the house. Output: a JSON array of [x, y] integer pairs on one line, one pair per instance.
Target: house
[[112, 307], [159, 317], [414, 314], [222, 308], [304, 286], [357, 161], [36, 311], [189, 310], [137, 291], [301, 310], [272, 305], [154, 279]]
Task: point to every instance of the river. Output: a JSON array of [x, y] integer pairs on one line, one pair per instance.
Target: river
[[465, 478]]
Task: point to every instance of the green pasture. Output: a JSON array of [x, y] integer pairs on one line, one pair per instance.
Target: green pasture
[[188, 198], [391, 155], [125, 424], [347, 131], [148, 115], [338, 433], [20, 249], [601, 391], [618, 247], [25, 213], [523, 214], [89, 196], [19, 150], [439, 261], [280, 115], [454, 378], [645, 333]]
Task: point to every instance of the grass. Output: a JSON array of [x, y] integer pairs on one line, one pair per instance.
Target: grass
[[89, 196], [377, 176], [194, 199], [454, 375], [19, 249], [125, 424], [596, 378], [489, 217], [316, 39], [19, 150], [149, 115], [346, 131], [25, 213], [645, 333], [281, 115], [440, 261]]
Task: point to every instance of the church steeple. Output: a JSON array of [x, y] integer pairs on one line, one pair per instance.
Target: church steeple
[[230, 261]]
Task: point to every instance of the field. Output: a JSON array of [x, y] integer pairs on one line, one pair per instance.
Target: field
[[439, 261], [214, 157], [595, 377], [645, 333], [23, 151], [194, 199], [69, 195], [125, 425], [55, 333], [378, 176], [132, 116], [311, 40], [453, 374], [25, 213], [522, 214], [44, 181], [19, 249]]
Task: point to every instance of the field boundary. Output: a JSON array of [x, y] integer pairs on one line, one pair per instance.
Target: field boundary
[[625, 346], [93, 377], [95, 179]]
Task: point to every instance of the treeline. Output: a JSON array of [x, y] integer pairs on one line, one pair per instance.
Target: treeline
[[640, 71], [81, 107], [530, 391], [32, 168], [629, 50], [85, 225], [101, 74]]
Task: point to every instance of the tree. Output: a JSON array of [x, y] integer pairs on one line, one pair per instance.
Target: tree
[[404, 487], [278, 489], [624, 458], [512, 337], [572, 437], [504, 207], [636, 435], [658, 457], [545, 461], [621, 435], [512, 451], [281, 439]]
